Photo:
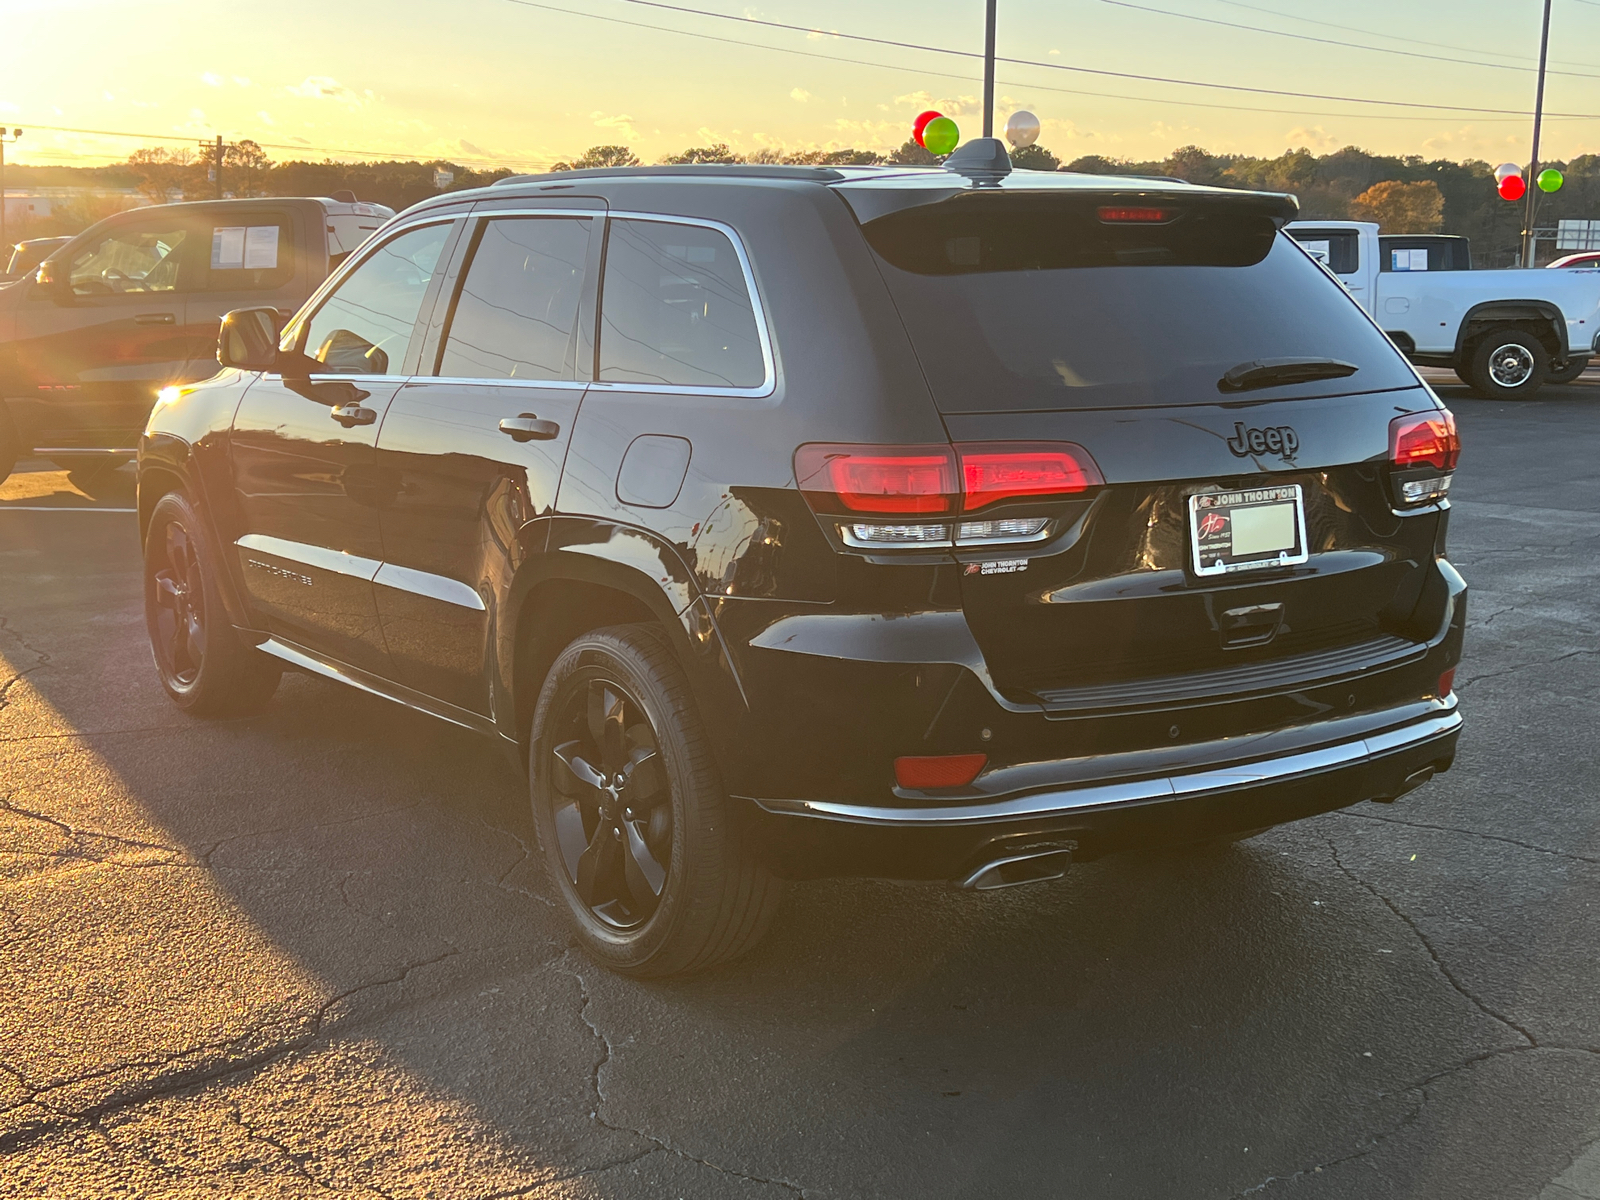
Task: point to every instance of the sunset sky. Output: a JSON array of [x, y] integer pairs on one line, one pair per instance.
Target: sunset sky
[[508, 82]]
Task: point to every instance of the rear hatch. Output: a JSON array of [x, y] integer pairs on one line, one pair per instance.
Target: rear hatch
[[1193, 351]]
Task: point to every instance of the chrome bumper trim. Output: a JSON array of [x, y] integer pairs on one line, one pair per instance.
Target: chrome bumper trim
[[1037, 805]]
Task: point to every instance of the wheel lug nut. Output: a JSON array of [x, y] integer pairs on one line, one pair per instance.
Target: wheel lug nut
[[616, 832], [628, 813]]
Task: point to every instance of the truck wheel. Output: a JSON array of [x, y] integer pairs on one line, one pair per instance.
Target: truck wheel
[[1507, 364], [205, 666], [633, 823], [1568, 373]]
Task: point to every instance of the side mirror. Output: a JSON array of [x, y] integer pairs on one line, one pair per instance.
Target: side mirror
[[54, 278], [248, 339]]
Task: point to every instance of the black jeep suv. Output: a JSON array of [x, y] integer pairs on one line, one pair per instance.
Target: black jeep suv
[[786, 522]]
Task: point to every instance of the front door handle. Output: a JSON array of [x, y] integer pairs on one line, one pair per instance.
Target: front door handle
[[526, 427], [155, 319], [352, 414]]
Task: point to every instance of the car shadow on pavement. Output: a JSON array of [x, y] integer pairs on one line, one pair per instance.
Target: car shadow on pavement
[[324, 930]]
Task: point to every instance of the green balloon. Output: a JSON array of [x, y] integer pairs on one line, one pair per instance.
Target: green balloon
[[1550, 180], [940, 136]]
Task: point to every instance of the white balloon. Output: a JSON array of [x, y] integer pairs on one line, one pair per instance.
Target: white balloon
[[1022, 129], [1505, 171]]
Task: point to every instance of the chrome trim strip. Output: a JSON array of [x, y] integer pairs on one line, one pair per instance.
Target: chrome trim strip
[[1067, 800], [373, 686], [769, 382], [567, 384], [335, 561], [434, 587], [47, 451]]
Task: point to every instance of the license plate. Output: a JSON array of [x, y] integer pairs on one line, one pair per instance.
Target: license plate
[[1247, 530]]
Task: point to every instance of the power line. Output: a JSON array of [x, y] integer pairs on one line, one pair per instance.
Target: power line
[[856, 37], [1388, 37], [1306, 37]]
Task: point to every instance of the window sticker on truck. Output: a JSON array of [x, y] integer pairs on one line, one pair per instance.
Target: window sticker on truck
[[246, 247]]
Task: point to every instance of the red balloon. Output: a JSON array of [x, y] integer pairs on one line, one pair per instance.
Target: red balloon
[[1512, 187], [921, 123]]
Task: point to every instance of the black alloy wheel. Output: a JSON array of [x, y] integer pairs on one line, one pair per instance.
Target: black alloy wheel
[[205, 665], [635, 827], [178, 624], [613, 816]]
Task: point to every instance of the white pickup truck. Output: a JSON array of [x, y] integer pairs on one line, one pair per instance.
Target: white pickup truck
[[1505, 332]]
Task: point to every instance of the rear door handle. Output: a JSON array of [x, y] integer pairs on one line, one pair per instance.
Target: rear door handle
[[526, 427], [155, 319], [350, 415]]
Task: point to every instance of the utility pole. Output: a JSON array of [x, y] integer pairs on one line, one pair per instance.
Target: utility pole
[[989, 68], [5, 246], [219, 158], [1533, 167]]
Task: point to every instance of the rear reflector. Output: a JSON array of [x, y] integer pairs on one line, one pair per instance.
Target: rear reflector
[[1447, 683], [938, 771], [1425, 439], [929, 480], [1113, 214]]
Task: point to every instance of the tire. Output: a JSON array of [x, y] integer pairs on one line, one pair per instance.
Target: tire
[[1568, 373], [204, 665], [617, 747], [1507, 364]]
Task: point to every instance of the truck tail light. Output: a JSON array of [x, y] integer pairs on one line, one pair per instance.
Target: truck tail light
[[1423, 451]]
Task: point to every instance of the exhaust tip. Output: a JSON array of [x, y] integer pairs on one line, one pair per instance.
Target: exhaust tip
[[1037, 866]]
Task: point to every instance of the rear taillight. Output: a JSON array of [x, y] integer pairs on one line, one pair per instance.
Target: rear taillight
[[1423, 451], [878, 479], [1135, 214], [939, 481], [991, 472]]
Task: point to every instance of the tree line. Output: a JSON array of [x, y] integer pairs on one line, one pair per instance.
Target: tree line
[[1405, 194]]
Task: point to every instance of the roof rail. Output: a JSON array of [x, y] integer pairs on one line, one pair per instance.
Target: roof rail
[[686, 170]]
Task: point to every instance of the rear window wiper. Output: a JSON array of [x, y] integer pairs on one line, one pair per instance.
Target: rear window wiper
[[1270, 372]]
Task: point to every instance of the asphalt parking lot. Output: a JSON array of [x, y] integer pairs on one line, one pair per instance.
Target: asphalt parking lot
[[309, 953]]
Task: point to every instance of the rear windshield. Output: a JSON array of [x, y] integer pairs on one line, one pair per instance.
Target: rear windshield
[[1028, 303]]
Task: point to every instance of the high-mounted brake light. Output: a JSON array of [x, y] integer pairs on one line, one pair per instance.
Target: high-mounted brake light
[[1425, 439], [930, 480], [1120, 214]]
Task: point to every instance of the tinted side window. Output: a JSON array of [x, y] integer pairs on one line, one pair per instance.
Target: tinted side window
[[675, 309], [516, 314], [364, 327], [140, 258], [247, 252]]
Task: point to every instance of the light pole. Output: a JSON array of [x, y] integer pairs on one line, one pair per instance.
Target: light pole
[[1533, 167], [15, 135], [989, 69]]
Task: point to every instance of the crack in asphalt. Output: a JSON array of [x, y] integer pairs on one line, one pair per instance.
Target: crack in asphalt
[[296, 1162], [527, 855], [1522, 666], [43, 660], [1427, 945], [1490, 837], [80, 836], [1377, 1141], [660, 1143], [165, 1083]]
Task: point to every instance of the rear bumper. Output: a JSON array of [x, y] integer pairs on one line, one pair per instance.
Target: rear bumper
[[922, 840]]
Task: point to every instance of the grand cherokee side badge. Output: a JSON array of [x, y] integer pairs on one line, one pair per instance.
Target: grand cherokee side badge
[[1280, 439]]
